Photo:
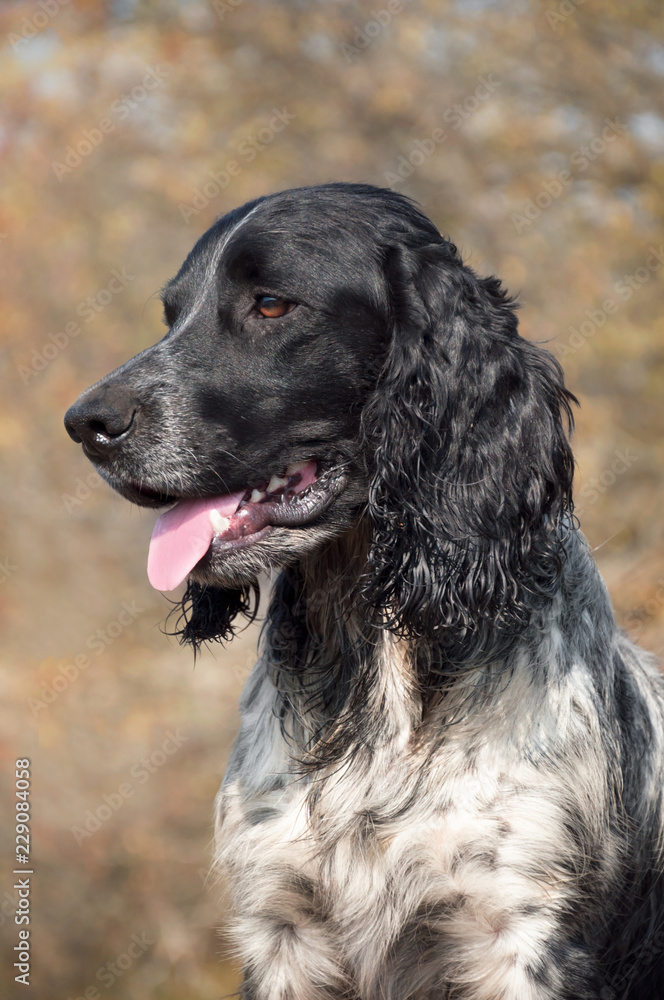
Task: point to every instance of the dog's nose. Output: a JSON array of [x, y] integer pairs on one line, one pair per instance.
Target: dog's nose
[[101, 422]]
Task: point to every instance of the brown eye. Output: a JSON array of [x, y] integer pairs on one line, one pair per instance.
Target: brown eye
[[271, 307]]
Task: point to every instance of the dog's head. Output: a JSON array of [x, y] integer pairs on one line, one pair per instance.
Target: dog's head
[[330, 361]]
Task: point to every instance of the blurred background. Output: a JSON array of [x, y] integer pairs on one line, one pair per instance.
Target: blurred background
[[532, 133]]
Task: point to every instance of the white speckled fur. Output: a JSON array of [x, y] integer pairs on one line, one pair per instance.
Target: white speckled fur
[[433, 865]]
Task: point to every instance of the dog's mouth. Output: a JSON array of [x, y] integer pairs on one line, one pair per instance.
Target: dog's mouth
[[184, 535]]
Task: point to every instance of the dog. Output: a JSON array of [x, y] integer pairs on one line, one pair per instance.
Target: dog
[[448, 778]]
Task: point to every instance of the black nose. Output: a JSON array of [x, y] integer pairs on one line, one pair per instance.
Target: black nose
[[101, 420]]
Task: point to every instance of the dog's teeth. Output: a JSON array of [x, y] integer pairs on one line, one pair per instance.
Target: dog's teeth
[[256, 496], [276, 483], [219, 523], [295, 467]]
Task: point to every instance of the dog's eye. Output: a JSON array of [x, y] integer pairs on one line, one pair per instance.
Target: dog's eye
[[272, 307]]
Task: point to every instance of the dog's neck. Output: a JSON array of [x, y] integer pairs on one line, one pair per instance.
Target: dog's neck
[[332, 664], [329, 662], [348, 685]]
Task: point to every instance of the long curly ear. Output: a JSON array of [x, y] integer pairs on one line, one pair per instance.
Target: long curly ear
[[207, 614], [471, 468]]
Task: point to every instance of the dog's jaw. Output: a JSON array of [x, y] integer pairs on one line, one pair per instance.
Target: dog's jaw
[[278, 546], [211, 528]]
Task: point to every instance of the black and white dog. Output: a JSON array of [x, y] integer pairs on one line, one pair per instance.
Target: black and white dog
[[448, 778]]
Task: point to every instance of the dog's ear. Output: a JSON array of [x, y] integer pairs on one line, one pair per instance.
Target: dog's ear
[[471, 470], [207, 614]]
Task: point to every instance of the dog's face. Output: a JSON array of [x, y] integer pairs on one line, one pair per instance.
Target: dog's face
[[276, 331], [331, 360]]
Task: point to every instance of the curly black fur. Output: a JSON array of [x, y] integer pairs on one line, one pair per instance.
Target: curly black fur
[[206, 613], [472, 470]]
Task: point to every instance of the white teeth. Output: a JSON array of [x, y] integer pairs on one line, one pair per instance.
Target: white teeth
[[256, 496], [219, 523], [276, 483], [295, 467]]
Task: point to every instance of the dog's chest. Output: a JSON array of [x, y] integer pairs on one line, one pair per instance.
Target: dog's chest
[[377, 849]]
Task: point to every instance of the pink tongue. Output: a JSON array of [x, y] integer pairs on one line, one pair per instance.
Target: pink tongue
[[182, 536]]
